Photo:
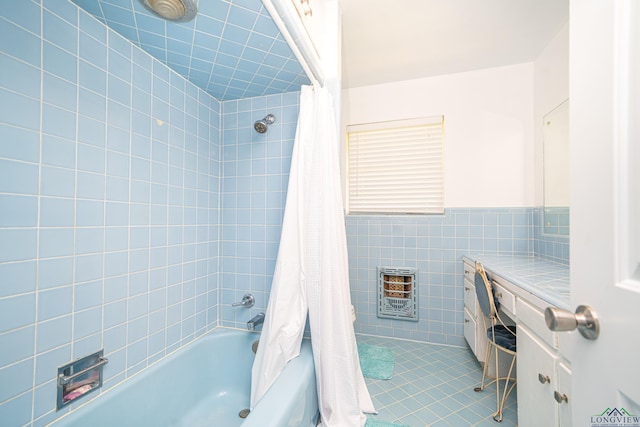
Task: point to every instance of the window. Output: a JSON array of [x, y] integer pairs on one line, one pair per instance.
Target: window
[[396, 167]]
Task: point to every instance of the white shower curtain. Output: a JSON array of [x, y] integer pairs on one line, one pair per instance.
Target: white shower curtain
[[312, 275]]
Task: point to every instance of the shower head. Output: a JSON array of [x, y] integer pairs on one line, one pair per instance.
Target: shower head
[[261, 125], [172, 10]]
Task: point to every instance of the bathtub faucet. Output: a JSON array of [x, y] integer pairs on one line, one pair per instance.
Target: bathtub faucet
[[255, 321], [247, 301]]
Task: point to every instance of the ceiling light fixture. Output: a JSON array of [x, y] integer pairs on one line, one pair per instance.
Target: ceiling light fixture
[[172, 10]]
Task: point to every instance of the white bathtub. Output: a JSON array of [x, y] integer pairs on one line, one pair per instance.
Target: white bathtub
[[206, 383]]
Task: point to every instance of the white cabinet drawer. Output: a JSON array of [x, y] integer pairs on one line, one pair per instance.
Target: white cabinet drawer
[[469, 272], [507, 299], [470, 298], [470, 331], [534, 319]]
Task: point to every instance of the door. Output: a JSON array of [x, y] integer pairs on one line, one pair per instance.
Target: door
[[605, 208], [563, 375], [536, 375]]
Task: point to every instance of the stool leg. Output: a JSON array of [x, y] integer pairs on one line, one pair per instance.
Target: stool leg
[[487, 356], [506, 392], [498, 409]]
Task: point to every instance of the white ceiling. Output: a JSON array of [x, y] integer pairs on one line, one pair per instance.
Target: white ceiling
[[394, 40]]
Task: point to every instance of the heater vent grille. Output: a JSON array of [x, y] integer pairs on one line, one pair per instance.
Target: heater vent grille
[[398, 293]]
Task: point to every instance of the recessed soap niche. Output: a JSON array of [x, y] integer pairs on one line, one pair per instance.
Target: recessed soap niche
[[79, 378]]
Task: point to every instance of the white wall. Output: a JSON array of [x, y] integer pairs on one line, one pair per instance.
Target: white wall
[[551, 88], [489, 143]]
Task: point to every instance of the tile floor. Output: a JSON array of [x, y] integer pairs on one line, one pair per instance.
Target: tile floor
[[432, 385]]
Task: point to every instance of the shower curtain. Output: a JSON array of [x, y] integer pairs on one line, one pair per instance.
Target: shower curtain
[[311, 275]]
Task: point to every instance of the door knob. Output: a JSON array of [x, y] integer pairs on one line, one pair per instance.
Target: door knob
[[584, 319]]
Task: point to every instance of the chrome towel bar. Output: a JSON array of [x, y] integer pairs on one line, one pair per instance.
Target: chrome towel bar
[[66, 379]]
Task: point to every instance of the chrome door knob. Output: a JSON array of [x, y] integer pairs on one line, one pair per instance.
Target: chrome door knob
[[584, 319]]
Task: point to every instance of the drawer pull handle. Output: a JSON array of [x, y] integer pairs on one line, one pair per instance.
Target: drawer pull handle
[[498, 294], [467, 272], [467, 289], [560, 397], [544, 379], [466, 320]]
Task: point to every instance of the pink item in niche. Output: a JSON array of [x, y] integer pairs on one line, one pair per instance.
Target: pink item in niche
[[77, 393]]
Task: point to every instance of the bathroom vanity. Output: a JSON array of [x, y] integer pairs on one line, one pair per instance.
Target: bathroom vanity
[[525, 286]]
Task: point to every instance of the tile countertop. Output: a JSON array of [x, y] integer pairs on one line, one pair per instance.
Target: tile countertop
[[547, 280]]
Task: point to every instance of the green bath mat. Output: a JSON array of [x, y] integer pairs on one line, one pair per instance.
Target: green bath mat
[[376, 362], [372, 422]]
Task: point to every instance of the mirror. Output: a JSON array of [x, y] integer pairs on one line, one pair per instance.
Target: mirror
[[556, 170]]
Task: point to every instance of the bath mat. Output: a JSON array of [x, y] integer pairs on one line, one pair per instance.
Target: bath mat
[[372, 422], [376, 362]]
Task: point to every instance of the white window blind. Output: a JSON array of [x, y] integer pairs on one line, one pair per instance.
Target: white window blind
[[396, 167]]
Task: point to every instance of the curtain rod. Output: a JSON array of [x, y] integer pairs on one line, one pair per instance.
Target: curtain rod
[[314, 73]]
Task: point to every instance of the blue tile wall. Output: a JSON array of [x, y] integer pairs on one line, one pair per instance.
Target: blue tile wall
[[434, 245], [252, 193], [552, 240], [109, 177], [556, 220]]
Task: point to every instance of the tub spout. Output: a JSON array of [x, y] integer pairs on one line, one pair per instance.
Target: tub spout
[[255, 321]]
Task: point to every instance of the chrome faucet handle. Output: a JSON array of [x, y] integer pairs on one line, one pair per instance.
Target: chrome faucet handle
[[247, 301]]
